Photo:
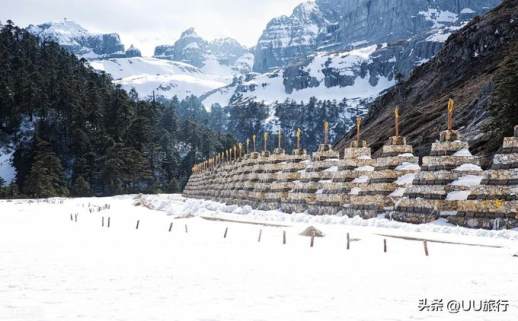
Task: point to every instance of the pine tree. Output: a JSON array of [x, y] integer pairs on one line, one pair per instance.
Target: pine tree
[[81, 187], [45, 178]]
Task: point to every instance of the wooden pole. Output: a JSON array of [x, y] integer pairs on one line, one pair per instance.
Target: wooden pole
[[348, 241], [226, 231], [358, 125], [102, 224], [138, 223], [312, 239], [298, 137], [75, 217], [109, 220], [265, 139], [451, 109], [260, 234], [253, 141], [186, 229], [71, 219], [425, 244], [396, 113], [326, 132], [385, 245], [170, 226], [283, 237], [280, 138]]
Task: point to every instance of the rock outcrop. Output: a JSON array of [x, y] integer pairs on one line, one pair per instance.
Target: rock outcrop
[[476, 68], [81, 42]]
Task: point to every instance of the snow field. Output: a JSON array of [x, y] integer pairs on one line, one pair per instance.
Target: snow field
[[55, 269]]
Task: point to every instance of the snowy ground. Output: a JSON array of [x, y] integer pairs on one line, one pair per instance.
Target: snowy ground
[[54, 269]]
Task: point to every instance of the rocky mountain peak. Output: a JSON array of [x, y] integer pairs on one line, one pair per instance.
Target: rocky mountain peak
[[189, 33], [79, 40], [338, 24]]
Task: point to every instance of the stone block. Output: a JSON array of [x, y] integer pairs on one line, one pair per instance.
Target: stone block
[[357, 152]]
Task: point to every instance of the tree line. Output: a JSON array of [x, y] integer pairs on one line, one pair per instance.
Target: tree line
[[74, 132]]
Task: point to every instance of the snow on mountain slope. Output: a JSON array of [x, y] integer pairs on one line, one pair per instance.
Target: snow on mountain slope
[[274, 86], [192, 66], [165, 77], [82, 42]]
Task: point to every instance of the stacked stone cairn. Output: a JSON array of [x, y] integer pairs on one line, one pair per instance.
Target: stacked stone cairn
[[494, 203], [382, 182], [279, 162], [252, 178], [311, 179], [288, 179], [377, 185], [446, 177], [449, 184]]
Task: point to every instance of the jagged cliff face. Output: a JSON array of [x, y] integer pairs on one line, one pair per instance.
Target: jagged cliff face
[[81, 42], [194, 50], [287, 39], [336, 49], [339, 24], [476, 68]]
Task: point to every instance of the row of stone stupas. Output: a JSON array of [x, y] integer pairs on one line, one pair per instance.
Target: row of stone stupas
[[449, 184]]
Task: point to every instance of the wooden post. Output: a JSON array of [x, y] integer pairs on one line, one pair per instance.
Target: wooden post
[[396, 114], [425, 244], [348, 241], [102, 222], [71, 219], [170, 226], [109, 220], [186, 229], [280, 138], [326, 132], [265, 139], [75, 217], [451, 109], [138, 222], [226, 231], [312, 239], [260, 234], [358, 125], [283, 237], [253, 141], [248, 145], [299, 133], [385, 245]]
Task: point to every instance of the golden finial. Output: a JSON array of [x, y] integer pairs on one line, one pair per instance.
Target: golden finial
[[358, 125], [451, 109], [326, 132], [396, 114], [280, 137], [298, 135]]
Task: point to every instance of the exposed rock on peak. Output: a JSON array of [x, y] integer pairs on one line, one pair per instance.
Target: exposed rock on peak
[[477, 68], [80, 41]]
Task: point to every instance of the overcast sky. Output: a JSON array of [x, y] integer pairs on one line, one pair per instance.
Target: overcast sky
[[147, 23]]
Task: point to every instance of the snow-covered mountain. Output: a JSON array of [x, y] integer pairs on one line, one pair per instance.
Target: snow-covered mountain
[[196, 51], [336, 49], [165, 78], [325, 25], [81, 42], [192, 66]]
